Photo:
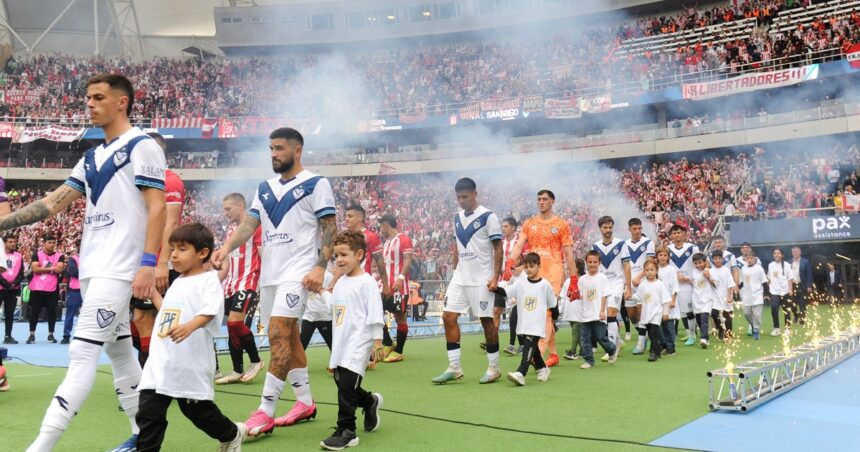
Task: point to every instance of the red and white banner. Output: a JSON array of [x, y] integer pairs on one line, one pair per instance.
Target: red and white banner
[[179, 123], [596, 104], [253, 126], [14, 96], [750, 82], [567, 108], [50, 133], [385, 169], [851, 202], [853, 56], [7, 130]]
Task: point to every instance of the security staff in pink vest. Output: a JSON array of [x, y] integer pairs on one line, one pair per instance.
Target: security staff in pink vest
[[47, 265], [73, 295], [10, 284]]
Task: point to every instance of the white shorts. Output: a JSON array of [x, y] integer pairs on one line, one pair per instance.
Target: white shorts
[[104, 312], [286, 299], [460, 299], [685, 301], [632, 302], [613, 302]]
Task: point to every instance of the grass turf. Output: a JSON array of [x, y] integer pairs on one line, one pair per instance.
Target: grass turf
[[632, 401]]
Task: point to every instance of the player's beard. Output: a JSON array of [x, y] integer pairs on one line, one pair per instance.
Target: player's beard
[[283, 167]]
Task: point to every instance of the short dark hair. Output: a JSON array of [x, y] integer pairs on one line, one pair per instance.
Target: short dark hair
[[49, 238], [716, 253], [719, 237], [196, 235], [388, 219], [159, 139], [353, 239], [238, 197], [465, 184], [592, 253], [531, 258], [355, 207], [634, 222], [511, 221], [677, 227], [10, 236], [548, 193], [118, 82], [795, 246], [288, 133], [698, 257], [746, 244], [605, 219]]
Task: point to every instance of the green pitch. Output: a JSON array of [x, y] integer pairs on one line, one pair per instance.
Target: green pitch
[[611, 407]]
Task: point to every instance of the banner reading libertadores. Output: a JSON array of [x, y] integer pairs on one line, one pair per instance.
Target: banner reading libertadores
[[750, 82]]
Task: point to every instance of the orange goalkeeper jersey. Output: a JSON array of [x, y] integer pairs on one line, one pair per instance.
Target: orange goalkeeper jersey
[[547, 238]]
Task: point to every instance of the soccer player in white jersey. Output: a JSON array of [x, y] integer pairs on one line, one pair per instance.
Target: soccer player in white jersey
[[640, 249], [615, 265], [718, 243], [477, 266], [295, 208], [682, 259], [123, 182]]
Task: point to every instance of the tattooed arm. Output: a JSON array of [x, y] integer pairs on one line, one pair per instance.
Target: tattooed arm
[[50, 205], [243, 232], [313, 281]]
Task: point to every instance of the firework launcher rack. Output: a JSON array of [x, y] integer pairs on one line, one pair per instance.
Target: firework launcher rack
[[750, 384]]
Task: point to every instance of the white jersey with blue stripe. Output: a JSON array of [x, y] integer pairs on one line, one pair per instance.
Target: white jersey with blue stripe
[[474, 234], [111, 177], [289, 212], [729, 260], [742, 263], [639, 253], [612, 259], [682, 260]]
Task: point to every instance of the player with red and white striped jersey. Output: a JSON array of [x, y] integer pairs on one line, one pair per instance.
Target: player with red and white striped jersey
[[397, 254], [356, 221], [240, 278]]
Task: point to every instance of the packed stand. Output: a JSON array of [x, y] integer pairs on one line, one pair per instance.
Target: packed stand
[[419, 80]]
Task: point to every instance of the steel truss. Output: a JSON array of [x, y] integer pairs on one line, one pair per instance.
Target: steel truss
[[753, 383]]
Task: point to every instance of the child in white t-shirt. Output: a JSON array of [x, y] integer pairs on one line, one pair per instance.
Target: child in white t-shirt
[[654, 300], [181, 363], [593, 287], [533, 296], [753, 279], [724, 285], [318, 314], [704, 295], [669, 277], [357, 333], [567, 310]]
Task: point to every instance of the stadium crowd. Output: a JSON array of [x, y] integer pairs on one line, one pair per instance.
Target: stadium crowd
[[419, 80]]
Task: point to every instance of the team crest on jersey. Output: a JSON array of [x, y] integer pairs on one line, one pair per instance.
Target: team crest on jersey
[[483, 304], [554, 230], [615, 251], [168, 320], [104, 317], [476, 224], [292, 300], [688, 253], [298, 192], [590, 294], [530, 303], [642, 248], [120, 157], [339, 314], [647, 298]]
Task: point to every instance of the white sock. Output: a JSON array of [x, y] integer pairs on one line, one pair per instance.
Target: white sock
[[612, 330], [301, 385], [271, 392], [641, 342], [493, 358], [126, 376], [454, 359], [70, 395]]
